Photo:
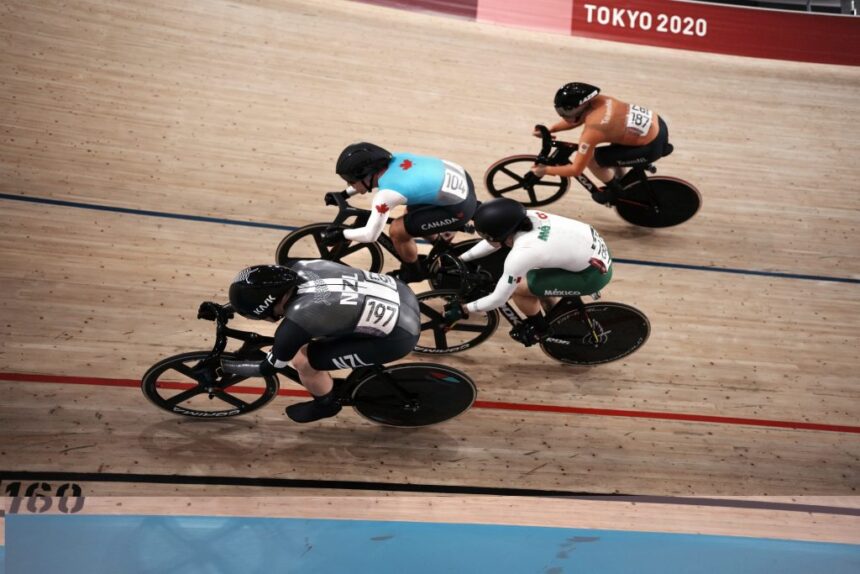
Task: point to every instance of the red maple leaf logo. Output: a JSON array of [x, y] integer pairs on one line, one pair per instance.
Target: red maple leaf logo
[[382, 208], [406, 164]]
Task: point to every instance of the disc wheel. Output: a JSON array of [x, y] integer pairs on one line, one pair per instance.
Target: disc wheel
[[413, 395], [658, 202], [616, 331]]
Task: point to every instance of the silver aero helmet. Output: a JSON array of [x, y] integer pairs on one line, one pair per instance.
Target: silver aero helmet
[[498, 219], [255, 290], [573, 95], [359, 160]]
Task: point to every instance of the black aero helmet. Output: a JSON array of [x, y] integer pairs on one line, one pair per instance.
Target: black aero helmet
[[359, 160], [255, 290], [497, 219], [573, 95]]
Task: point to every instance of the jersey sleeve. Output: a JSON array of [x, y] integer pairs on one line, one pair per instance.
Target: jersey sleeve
[[516, 266], [383, 201], [480, 249], [289, 338]]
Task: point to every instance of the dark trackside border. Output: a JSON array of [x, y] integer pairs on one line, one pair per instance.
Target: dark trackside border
[[176, 479]]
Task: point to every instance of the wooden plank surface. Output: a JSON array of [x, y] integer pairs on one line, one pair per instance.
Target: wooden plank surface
[[237, 110]]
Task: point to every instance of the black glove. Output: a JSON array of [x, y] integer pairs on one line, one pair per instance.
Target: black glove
[[454, 311], [332, 196], [332, 235], [211, 311]]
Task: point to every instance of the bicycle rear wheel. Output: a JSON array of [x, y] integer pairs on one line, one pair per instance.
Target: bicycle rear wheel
[[189, 383], [511, 177], [658, 202], [618, 330], [413, 395], [306, 243], [437, 338]]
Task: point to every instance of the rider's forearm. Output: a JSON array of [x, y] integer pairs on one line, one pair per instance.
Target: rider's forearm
[[569, 170], [481, 249], [497, 298], [370, 232], [560, 126]]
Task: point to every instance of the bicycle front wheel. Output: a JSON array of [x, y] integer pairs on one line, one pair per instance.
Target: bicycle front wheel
[[511, 177], [658, 202], [413, 395], [306, 243], [192, 384], [439, 338], [615, 331]]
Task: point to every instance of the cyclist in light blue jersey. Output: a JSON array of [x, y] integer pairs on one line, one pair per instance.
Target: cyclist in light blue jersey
[[439, 196]]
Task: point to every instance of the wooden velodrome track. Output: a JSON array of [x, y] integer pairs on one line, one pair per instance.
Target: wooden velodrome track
[[237, 110]]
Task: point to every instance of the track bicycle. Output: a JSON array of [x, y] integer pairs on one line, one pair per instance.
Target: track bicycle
[[647, 201], [579, 333], [198, 384], [306, 243]]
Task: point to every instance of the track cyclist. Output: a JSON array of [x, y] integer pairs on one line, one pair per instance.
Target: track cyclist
[[331, 317], [550, 256], [637, 136], [438, 194]]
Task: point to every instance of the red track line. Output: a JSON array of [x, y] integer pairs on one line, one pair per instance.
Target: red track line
[[68, 380]]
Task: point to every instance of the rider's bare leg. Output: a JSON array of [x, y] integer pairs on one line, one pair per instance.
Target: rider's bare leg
[[318, 383], [526, 301], [604, 174], [325, 403], [404, 243]]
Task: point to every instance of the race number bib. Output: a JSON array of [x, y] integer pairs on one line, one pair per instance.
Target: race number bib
[[454, 181], [599, 250], [639, 120], [378, 317], [381, 279]]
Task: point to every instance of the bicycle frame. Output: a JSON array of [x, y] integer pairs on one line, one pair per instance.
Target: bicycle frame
[[254, 342], [562, 151], [345, 211], [472, 283]]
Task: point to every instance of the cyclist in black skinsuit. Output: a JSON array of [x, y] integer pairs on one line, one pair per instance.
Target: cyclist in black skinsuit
[[334, 317]]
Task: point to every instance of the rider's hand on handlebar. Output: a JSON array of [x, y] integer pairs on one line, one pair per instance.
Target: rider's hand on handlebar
[[454, 311], [331, 197], [331, 236], [211, 311], [208, 311], [539, 170], [537, 133]]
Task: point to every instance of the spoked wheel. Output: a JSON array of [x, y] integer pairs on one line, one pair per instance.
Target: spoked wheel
[[493, 264], [413, 395], [512, 177], [658, 202], [306, 243], [437, 338], [616, 330], [192, 384]]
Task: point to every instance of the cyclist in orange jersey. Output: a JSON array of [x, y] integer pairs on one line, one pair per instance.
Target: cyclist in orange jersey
[[637, 136]]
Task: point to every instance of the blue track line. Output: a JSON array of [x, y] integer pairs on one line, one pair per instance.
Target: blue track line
[[223, 221]]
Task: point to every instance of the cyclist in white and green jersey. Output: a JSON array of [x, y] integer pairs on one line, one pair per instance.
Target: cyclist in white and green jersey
[[556, 256]]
